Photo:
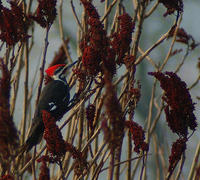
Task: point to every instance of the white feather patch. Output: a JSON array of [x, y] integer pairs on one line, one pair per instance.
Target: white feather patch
[[52, 106]]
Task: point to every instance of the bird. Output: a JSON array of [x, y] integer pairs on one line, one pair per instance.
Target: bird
[[54, 99]]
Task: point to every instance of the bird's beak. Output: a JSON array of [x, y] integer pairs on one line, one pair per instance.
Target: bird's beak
[[67, 67]]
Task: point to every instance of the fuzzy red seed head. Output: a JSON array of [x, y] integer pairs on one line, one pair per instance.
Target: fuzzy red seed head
[[50, 71]]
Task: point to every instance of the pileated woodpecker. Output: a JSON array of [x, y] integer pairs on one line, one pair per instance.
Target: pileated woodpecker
[[55, 99]]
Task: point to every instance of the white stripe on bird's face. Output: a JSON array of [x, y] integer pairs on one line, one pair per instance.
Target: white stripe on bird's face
[[58, 74]]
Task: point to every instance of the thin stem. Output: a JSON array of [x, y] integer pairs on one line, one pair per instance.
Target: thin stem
[[111, 165], [97, 155], [141, 7], [108, 10], [148, 128], [21, 171], [135, 168], [156, 157], [25, 93], [105, 9], [62, 33], [181, 166], [16, 81], [153, 126], [152, 9], [194, 163], [129, 156], [75, 15], [172, 45], [147, 52], [43, 65], [123, 162], [98, 169], [80, 127], [117, 160], [149, 59], [195, 82]]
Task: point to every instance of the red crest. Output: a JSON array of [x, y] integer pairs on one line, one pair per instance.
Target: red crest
[[50, 70]]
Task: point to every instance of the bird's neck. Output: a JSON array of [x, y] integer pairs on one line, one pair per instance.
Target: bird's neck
[[61, 79]]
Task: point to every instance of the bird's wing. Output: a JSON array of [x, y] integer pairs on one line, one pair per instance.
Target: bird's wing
[[53, 96]]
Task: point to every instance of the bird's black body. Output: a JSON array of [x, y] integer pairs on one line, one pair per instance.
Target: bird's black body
[[55, 100]]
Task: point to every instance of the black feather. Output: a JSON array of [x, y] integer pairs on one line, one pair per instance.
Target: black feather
[[57, 92]]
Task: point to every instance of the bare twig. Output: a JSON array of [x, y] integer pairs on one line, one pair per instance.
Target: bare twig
[[62, 33], [43, 65], [172, 44], [16, 80], [158, 42], [108, 10], [181, 167], [129, 156], [122, 162], [141, 11], [194, 162], [147, 14], [75, 15], [25, 93]]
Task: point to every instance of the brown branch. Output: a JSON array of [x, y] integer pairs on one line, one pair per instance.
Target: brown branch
[[42, 65], [62, 33]]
